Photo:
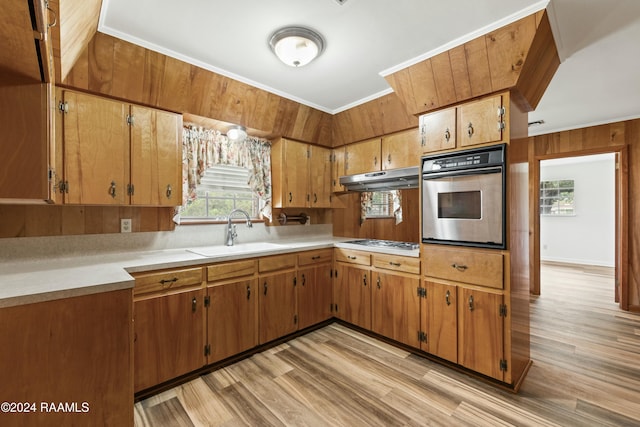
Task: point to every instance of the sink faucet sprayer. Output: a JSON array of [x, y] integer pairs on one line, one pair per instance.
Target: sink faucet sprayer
[[231, 228]]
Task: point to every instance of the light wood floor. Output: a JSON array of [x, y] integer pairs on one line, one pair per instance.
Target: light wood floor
[[586, 372]]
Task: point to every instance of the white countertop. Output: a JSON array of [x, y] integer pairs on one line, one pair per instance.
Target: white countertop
[[37, 280]]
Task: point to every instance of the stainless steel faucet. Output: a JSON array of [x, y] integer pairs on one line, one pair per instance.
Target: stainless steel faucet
[[231, 228]]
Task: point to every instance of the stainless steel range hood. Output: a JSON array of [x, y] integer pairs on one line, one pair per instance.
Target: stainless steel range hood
[[394, 179]]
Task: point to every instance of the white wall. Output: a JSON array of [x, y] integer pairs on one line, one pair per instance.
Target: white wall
[[589, 236]]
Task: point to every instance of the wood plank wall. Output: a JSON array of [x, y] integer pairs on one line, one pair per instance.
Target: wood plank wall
[[591, 140], [52, 220], [116, 68], [346, 222]]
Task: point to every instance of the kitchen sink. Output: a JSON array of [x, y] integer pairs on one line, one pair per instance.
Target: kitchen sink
[[220, 250]]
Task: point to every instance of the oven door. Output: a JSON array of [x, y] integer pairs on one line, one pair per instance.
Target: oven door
[[464, 208]]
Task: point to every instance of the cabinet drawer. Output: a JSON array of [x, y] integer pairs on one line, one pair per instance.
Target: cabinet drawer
[[353, 257], [278, 262], [397, 263], [228, 270], [315, 257], [467, 266], [165, 280]]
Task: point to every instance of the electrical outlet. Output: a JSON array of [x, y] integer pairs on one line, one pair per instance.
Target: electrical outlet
[[125, 225]]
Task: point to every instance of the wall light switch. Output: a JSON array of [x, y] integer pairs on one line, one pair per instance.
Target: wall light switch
[[125, 225]]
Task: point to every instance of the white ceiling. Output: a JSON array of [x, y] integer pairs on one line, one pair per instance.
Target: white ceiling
[[598, 41]]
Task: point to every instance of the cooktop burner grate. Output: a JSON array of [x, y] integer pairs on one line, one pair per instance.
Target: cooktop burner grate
[[385, 244]]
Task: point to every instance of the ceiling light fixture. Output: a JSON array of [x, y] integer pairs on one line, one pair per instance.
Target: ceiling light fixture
[[296, 46], [237, 133]]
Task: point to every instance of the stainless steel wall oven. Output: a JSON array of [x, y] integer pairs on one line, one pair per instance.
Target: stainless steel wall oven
[[463, 197]]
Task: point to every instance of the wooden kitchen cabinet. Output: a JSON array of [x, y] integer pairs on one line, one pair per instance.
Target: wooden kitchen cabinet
[[481, 332], [314, 289], [169, 337], [401, 150], [396, 307], [277, 306], [27, 149], [337, 169], [352, 287], [115, 153], [483, 121], [76, 349], [168, 322], [232, 308], [440, 320], [302, 174], [362, 157]]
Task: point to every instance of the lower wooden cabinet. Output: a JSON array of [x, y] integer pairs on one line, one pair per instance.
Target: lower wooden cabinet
[[315, 295], [481, 332], [352, 294], [396, 307], [439, 317], [232, 318], [169, 337], [75, 350], [277, 305]]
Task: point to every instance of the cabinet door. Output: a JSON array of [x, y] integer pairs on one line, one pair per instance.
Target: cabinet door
[[337, 169], [401, 150], [315, 295], [396, 308], [440, 321], [319, 177], [168, 338], [480, 332], [480, 122], [96, 150], [156, 157], [277, 301], [352, 295], [25, 149], [295, 175], [438, 130], [232, 318], [362, 157]]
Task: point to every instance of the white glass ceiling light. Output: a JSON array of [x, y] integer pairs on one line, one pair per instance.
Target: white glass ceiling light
[[237, 133], [296, 46]]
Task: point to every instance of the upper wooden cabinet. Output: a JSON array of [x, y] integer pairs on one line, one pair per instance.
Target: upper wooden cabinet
[[484, 121], [26, 145], [115, 153], [401, 150], [301, 175], [26, 50], [362, 157], [337, 169]]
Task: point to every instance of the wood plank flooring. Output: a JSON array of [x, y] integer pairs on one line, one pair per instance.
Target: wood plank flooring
[[586, 372]]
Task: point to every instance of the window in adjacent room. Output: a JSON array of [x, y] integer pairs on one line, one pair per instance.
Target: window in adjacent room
[[556, 198], [380, 205]]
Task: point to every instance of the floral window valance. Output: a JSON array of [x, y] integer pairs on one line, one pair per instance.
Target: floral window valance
[[203, 148]]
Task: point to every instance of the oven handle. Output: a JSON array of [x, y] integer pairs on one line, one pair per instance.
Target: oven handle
[[466, 172]]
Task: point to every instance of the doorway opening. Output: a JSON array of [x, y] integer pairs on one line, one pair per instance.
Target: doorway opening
[[581, 210]]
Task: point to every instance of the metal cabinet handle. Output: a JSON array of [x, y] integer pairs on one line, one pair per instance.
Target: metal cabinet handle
[[389, 158], [375, 161], [304, 280], [364, 280], [395, 264], [471, 303], [248, 292], [290, 197], [169, 281], [315, 257], [470, 130], [447, 297], [112, 189], [379, 287], [315, 198], [459, 267], [194, 304], [265, 288], [169, 191], [351, 257], [447, 135]]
